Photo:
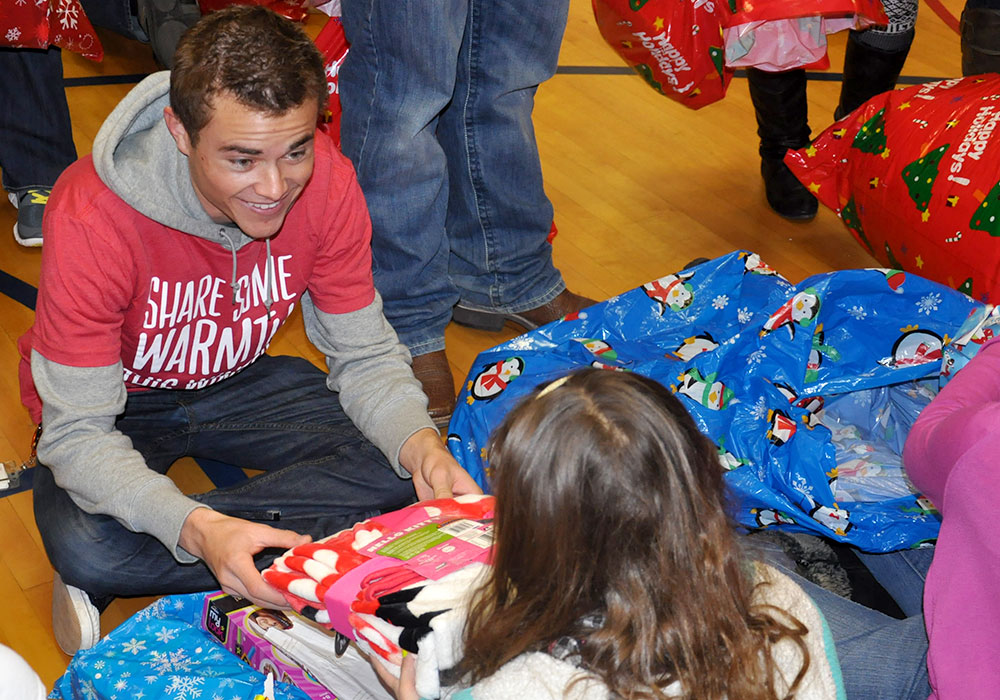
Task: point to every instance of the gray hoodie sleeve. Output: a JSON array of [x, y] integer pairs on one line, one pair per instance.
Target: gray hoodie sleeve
[[94, 462], [370, 369]]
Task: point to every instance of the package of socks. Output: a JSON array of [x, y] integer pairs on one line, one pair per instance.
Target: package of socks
[[915, 176], [163, 652], [292, 649], [396, 583], [807, 390]]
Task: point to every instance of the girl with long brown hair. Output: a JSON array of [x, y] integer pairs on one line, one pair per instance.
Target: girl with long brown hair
[[617, 572]]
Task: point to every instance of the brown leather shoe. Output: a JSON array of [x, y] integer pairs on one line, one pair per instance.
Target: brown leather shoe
[[562, 305], [434, 374]]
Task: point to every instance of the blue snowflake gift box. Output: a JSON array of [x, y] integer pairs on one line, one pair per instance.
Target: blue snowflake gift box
[[161, 653], [807, 390]]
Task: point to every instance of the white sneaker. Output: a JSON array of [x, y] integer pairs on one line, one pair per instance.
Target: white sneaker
[[75, 621]]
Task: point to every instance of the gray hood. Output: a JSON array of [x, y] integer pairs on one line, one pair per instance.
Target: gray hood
[[137, 158]]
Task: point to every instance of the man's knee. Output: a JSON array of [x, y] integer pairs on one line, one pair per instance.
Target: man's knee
[[79, 545]]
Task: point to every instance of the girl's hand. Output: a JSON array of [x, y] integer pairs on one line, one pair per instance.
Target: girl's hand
[[404, 687]]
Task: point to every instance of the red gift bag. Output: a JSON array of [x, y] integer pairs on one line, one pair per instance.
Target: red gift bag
[[675, 46], [38, 24], [915, 176], [332, 43]]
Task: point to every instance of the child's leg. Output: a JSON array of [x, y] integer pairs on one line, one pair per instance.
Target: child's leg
[[902, 575], [880, 656]]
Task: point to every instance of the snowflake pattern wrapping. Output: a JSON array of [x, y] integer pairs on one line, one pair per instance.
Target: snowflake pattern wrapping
[[759, 364], [162, 653], [914, 175], [44, 23]]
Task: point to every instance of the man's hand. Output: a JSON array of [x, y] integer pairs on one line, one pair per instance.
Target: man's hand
[[435, 472], [227, 546]]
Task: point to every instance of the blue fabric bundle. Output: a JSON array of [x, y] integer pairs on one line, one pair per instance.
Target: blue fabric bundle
[[793, 383]]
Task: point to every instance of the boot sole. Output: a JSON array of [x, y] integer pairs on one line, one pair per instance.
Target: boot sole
[[165, 22], [795, 217]]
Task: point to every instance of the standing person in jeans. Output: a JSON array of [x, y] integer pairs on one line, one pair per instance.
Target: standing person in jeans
[[437, 98], [36, 136], [210, 208]]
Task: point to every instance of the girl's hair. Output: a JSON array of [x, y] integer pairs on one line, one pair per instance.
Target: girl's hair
[[610, 500]]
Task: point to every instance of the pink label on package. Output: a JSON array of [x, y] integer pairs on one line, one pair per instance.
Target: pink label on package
[[427, 548], [436, 549]]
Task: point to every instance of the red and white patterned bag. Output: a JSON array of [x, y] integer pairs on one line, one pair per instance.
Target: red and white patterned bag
[[38, 24]]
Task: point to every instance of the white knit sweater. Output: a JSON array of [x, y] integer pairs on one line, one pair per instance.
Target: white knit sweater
[[540, 676]]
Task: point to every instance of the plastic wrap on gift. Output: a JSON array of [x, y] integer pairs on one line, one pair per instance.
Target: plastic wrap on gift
[[162, 652], [397, 582], [915, 176], [757, 360]]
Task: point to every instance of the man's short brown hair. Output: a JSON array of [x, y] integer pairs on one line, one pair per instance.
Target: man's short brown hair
[[264, 61]]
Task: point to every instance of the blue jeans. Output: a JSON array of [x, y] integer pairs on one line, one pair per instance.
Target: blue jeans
[[437, 98], [902, 574], [36, 137], [881, 657], [321, 475]]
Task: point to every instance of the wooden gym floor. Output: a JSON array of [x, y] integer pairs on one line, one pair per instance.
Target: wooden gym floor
[[640, 186]]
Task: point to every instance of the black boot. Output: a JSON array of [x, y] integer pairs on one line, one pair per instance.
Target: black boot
[[164, 21], [779, 101], [868, 71], [980, 40]]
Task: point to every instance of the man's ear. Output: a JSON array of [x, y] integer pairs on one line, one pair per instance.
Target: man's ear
[[177, 130]]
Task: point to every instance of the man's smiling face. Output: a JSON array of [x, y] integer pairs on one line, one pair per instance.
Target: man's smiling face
[[248, 167]]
